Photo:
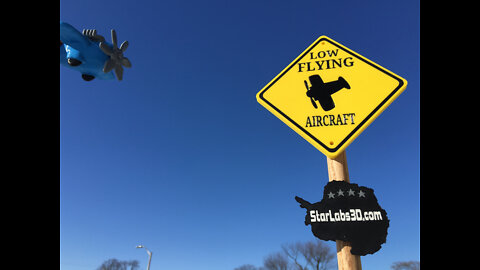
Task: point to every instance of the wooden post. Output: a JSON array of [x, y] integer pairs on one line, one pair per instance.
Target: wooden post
[[338, 171]]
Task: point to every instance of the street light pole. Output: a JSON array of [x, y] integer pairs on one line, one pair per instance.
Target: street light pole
[[149, 255]]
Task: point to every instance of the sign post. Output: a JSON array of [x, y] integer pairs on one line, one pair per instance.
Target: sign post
[[338, 171], [329, 95]]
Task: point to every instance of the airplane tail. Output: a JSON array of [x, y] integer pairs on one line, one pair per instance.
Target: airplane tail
[[335, 86], [343, 83]]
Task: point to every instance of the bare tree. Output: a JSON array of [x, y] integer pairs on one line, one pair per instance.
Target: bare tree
[[247, 267], [276, 261], [312, 255], [317, 254], [410, 265], [114, 264], [292, 250]]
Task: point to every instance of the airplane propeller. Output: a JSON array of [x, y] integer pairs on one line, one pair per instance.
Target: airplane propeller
[[311, 98], [117, 60]]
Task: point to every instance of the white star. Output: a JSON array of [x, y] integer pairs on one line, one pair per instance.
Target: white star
[[340, 192], [361, 194], [331, 195], [351, 192]]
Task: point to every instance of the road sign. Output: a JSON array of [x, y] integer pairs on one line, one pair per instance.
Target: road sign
[[330, 94]]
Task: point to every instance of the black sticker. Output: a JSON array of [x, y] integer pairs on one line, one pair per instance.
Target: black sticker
[[350, 213]]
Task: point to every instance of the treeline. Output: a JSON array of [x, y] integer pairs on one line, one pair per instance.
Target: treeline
[[311, 255], [114, 264]]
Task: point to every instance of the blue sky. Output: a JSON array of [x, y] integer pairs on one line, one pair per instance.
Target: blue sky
[[180, 157]]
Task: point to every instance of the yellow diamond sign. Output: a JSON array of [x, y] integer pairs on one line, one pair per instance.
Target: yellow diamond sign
[[330, 94]]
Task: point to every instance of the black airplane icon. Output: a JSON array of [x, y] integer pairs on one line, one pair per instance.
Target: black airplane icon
[[322, 92]]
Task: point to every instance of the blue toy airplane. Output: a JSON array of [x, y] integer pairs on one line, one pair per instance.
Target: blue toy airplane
[[90, 54]]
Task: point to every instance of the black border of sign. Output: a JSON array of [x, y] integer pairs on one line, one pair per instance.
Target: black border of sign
[[332, 150]]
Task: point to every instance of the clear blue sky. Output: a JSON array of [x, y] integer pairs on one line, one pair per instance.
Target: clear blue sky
[[180, 157]]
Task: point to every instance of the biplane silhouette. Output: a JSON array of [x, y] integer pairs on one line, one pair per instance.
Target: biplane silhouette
[[322, 92]]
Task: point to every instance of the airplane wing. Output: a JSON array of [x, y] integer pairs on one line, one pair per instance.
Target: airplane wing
[[72, 37], [303, 203], [315, 80]]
